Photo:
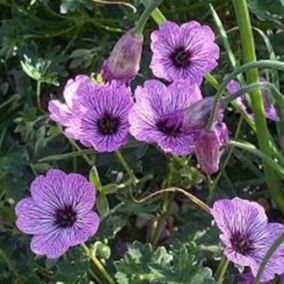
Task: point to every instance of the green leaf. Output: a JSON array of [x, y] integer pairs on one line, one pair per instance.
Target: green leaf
[[186, 269], [135, 267], [95, 179], [142, 265], [111, 226], [110, 188], [102, 205]]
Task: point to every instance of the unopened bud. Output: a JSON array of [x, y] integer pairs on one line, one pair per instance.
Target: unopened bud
[[207, 151], [124, 61]]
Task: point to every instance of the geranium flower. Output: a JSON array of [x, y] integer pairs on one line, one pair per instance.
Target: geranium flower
[[101, 112], [157, 115], [247, 236], [182, 52], [62, 112], [59, 214]]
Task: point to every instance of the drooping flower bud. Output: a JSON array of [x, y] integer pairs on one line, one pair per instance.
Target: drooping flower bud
[[196, 116], [207, 151], [124, 61]]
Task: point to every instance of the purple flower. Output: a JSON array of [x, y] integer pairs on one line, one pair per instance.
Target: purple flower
[[182, 52], [247, 278], [59, 213], [101, 112], [62, 112], [247, 236], [270, 110], [124, 61], [157, 115]]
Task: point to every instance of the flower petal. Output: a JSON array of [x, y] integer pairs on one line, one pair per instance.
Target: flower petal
[[52, 244], [47, 190], [76, 190], [33, 219], [59, 112]]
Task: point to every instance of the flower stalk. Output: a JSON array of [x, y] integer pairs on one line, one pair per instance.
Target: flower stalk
[[249, 55], [127, 168], [38, 94], [146, 15], [221, 271], [196, 201], [98, 265], [273, 64]]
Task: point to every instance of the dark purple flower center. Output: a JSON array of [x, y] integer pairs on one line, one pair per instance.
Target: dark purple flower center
[[180, 57], [108, 124], [65, 217], [241, 243], [169, 127]]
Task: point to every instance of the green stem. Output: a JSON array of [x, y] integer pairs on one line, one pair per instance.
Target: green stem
[[196, 201], [146, 15], [125, 165], [227, 159], [249, 55], [157, 15], [38, 100], [244, 68], [257, 86], [280, 104], [98, 265], [74, 144], [212, 81], [266, 159], [12, 99], [67, 155], [157, 226], [221, 271]]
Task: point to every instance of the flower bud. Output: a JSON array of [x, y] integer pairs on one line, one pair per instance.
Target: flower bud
[[207, 151], [196, 116], [124, 61]]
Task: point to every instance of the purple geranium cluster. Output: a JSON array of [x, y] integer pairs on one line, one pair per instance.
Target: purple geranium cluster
[[102, 115]]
